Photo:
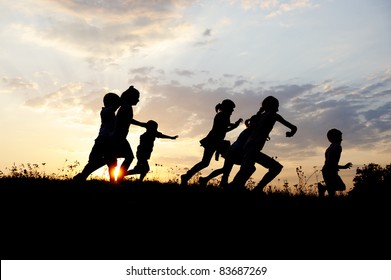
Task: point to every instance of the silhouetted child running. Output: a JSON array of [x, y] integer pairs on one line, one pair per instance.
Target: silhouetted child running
[[215, 138], [145, 149], [124, 119], [331, 166], [232, 155], [266, 118], [101, 153]]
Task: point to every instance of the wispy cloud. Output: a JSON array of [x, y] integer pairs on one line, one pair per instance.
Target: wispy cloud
[[72, 96], [285, 7], [99, 28], [274, 8], [17, 83]]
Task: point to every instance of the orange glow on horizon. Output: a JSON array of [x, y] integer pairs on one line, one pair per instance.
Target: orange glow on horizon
[[117, 172]]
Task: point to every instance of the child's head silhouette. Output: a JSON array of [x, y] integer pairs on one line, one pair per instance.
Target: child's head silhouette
[[111, 99], [270, 103], [334, 135], [226, 105], [152, 125], [130, 96]]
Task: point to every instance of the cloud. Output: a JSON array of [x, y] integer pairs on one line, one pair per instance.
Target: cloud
[[185, 73], [364, 121], [379, 119], [17, 84], [314, 108], [240, 82], [285, 7], [100, 31], [207, 32], [71, 103], [142, 70], [131, 8], [275, 8], [207, 39]]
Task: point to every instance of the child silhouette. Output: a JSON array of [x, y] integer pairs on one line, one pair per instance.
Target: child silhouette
[[331, 166], [232, 155], [124, 119], [101, 153], [215, 137], [264, 122], [145, 149]]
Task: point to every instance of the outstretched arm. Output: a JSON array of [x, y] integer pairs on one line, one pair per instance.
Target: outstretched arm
[[161, 135], [136, 122], [346, 166], [288, 125], [234, 125]]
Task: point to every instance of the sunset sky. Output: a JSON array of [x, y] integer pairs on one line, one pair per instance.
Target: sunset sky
[[328, 62]]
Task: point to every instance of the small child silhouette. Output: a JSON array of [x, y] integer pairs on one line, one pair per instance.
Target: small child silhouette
[[101, 153], [331, 166], [124, 119], [215, 137], [145, 149]]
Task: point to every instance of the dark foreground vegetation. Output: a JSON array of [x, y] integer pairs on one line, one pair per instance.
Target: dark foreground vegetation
[[46, 218]]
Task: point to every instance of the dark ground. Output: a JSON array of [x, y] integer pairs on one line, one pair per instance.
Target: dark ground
[[43, 219]]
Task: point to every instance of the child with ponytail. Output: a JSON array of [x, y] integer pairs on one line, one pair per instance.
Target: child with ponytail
[[215, 138]]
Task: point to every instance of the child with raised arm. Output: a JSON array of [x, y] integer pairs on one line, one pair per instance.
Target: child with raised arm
[[221, 125], [124, 119], [145, 149], [331, 166], [101, 153], [266, 118]]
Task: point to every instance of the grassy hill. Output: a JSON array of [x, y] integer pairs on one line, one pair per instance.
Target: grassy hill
[[61, 219]]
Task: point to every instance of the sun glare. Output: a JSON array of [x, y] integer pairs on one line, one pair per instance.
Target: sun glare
[[117, 172], [117, 168]]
